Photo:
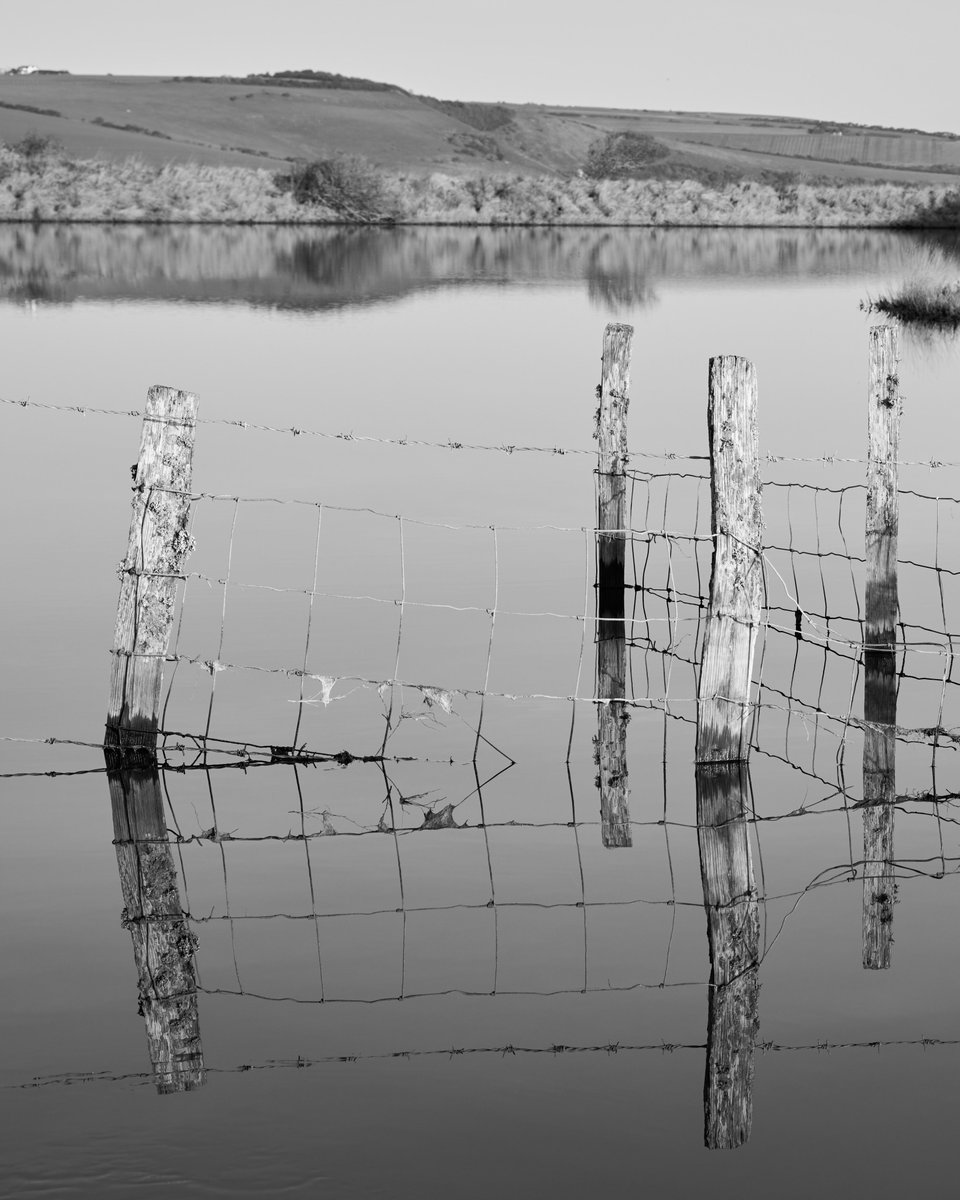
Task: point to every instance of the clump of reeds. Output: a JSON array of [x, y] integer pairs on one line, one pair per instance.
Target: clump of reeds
[[929, 295]]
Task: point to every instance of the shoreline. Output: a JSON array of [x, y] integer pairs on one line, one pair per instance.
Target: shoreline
[[39, 185], [348, 223]]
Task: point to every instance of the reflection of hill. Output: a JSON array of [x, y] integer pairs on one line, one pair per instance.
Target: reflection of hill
[[326, 267]]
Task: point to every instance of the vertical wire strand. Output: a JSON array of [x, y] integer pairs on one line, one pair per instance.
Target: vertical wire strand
[[403, 899], [226, 884], [313, 894], [756, 839], [754, 736], [673, 625], [673, 881], [841, 748], [493, 622], [583, 639], [648, 541], [306, 645], [631, 639], [583, 886], [394, 683], [826, 642], [223, 620], [796, 644], [493, 890]]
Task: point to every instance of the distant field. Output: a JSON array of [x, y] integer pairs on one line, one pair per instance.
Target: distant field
[[213, 122], [263, 123], [907, 150], [751, 162], [91, 141]]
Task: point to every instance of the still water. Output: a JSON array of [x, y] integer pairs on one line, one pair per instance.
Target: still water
[[429, 975]]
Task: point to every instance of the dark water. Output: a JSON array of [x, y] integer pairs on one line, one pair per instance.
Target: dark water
[[429, 974]]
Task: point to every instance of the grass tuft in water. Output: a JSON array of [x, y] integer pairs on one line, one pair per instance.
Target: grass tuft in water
[[928, 297]]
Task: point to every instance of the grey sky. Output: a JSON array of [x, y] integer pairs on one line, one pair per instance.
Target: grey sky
[[875, 61]]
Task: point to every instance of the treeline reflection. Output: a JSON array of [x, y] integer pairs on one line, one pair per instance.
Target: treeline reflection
[[321, 268]]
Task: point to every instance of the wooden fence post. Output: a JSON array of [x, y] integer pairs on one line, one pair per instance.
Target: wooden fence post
[[157, 548], [880, 648], [163, 943], [612, 716], [733, 933], [736, 580]]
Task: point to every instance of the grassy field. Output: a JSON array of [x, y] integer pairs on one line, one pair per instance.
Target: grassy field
[[886, 149], [264, 122]]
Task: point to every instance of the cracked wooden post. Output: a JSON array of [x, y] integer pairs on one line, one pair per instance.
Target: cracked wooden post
[[157, 548], [736, 580], [163, 943], [733, 933], [612, 716], [880, 649]]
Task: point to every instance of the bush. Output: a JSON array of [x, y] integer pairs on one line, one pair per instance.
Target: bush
[[623, 155], [345, 183], [485, 117], [36, 145]]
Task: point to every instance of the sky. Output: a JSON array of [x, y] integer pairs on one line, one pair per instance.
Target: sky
[[875, 62]]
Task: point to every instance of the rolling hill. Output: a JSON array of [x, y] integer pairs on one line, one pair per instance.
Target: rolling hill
[[264, 121]]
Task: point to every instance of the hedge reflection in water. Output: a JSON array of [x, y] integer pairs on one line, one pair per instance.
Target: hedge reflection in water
[[326, 268]]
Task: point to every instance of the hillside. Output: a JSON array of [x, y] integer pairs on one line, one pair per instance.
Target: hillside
[[264, 121]]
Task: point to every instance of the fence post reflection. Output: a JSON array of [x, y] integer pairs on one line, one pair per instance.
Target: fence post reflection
[[733, 932], [880, 650], [612, 719], [163, 943], [612, 716]]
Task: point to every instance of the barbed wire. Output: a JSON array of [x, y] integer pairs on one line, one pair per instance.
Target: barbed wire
[[508, 1050], [245, 755], [451, 443]]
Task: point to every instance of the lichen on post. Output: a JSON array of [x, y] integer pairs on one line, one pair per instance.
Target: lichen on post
[[612, 715], [733, 934], [884, 410], [157, 548], [736, 581]]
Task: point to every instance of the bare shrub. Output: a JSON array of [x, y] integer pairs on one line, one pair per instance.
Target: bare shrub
[[346, 183], [623, 155], [35, 146]]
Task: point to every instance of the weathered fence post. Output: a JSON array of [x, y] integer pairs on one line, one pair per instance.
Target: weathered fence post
[[157, 548], [736, 580], [733, 933], [163, 943], [612, 716], [880, 648]]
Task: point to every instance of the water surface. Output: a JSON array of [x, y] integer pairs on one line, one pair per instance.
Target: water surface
[[384, 1003]]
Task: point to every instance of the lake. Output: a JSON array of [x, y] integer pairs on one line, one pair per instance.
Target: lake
[[447, 970]]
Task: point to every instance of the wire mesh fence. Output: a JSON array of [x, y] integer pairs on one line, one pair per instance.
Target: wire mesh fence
[[371, 628], [456, 669], [392, 871]]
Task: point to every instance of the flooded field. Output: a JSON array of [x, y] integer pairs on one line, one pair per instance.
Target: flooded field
[[403, 909]]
